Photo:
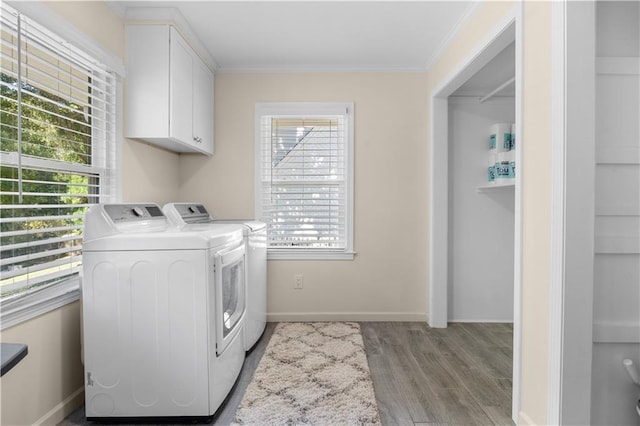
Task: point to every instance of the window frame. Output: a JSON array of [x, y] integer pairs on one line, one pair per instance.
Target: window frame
[[32, 303], [302, 109]]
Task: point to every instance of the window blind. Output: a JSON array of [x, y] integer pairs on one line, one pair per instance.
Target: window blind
[[304, 181], [57, 142]]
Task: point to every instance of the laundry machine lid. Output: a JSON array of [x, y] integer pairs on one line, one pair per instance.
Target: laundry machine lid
[[196, 213], [250, 224], [144, 227], [170, 239]]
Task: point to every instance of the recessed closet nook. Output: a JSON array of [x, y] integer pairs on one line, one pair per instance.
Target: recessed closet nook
[[481, 194], [475, 216]]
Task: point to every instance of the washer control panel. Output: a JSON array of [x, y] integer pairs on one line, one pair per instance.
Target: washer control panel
[[119, 213]]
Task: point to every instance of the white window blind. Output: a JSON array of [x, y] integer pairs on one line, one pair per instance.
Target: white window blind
[[57, 145], [305, 173]]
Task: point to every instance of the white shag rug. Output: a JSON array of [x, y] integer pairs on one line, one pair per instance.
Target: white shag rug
[[311, 374]]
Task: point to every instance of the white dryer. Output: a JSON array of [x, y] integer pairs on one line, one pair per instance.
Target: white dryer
[[163, 312], [255, 238]]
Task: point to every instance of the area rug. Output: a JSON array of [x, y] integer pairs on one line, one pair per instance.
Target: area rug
[[311, 374]]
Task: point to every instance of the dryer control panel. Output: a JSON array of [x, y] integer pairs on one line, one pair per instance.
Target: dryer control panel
[[187, 213]]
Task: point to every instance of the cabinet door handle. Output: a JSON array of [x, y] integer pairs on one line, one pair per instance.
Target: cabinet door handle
[[197, 139]]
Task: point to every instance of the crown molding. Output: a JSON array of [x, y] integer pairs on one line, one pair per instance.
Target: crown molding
[[446, 41], [170, 16]]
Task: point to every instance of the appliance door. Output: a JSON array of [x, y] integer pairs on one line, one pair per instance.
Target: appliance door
[[230, 295]]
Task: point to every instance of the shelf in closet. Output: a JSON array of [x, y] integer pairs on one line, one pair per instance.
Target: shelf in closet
[[490, 187], [498, 89]]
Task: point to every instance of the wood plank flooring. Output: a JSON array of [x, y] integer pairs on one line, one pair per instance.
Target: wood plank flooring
[[460, 375]]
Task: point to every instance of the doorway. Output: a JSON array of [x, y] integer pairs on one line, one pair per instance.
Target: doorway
[[506, 33]]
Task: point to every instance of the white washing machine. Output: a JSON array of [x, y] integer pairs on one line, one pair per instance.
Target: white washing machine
[[163, 313], [255, 237]]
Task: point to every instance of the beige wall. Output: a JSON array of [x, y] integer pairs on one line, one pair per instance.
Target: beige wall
[[536, 189], [149, 174], [48, 384], [536, 211], [487, 15], [386, 280], [96, 20]]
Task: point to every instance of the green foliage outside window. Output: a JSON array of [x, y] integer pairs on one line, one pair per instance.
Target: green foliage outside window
[[52, 129]]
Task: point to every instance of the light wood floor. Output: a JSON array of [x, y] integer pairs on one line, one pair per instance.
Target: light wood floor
[[422, 376]]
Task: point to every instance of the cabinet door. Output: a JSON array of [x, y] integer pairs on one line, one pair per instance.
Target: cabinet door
[[202, 106], [147, 109], [181, 93]]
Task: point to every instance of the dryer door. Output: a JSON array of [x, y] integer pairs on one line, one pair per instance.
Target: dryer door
[[230, 292]]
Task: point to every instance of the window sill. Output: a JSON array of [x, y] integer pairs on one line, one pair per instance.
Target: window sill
[[23, 308], [309, 255]]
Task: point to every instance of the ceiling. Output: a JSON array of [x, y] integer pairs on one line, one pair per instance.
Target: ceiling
[[271, 36], [492, 76]]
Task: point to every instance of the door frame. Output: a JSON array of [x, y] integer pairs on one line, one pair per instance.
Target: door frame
[[573, 212], [508, 29]]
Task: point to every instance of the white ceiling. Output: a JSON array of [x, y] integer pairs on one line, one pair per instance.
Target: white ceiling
[[318, 35]]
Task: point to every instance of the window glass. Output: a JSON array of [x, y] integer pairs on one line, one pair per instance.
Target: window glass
[[305, 177], [57, 133]]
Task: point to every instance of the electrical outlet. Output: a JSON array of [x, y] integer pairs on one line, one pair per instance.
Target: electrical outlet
[[299, 280]]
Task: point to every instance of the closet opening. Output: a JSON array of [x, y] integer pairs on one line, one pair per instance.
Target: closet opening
[[475, 241]]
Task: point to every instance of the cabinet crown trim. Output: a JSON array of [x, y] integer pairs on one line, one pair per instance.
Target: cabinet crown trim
[[170, 16]]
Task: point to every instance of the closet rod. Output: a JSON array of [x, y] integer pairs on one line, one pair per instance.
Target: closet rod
[[497, 89]]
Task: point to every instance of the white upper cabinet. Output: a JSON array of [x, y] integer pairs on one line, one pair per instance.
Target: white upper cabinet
[[169, 95], [203, 105]]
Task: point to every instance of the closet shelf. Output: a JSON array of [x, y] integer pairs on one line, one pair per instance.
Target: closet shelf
[[495, 187], [498, 89]]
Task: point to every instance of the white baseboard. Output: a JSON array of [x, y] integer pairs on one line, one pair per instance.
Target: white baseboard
[[63, 409], [345, 316], [524, 419], [496, 321]]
